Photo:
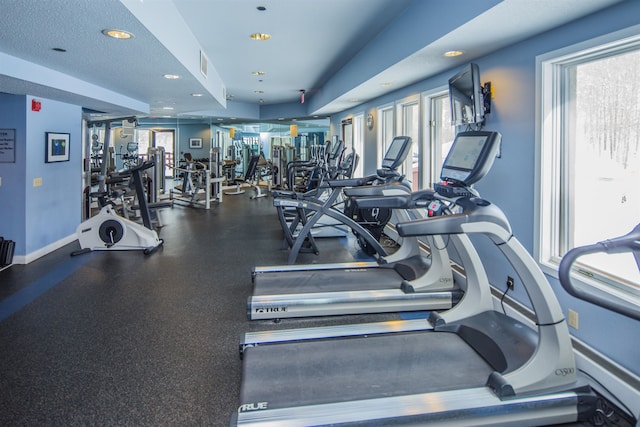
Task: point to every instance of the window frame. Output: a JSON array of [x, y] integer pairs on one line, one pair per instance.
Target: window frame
[[551, 237], [432, 152]]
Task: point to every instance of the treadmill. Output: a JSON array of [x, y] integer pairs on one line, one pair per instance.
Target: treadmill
[[405, 281], [471, 365]]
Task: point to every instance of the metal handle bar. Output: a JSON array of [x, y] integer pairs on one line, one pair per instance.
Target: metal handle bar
[[630, 242]]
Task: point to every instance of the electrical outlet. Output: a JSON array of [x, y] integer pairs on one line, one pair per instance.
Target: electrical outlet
[[37, 182], [573, 319], [510, 283]]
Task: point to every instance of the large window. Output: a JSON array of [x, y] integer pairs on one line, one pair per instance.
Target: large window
[[386, 130], [358, 143], [589, 158], [409, 125]]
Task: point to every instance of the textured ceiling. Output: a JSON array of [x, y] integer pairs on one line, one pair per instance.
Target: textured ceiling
[[336, 50]]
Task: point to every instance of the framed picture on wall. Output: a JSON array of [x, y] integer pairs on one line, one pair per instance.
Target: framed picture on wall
[[195, 142], [57, 147]]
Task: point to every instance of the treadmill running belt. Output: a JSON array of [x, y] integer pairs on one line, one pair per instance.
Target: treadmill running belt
[[341, 370], [311, 281]]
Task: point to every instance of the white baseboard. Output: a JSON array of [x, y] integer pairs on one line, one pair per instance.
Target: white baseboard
[[28, 258]]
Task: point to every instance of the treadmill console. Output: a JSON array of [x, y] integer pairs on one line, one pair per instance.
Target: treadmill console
[[396, 153], [469, 159]]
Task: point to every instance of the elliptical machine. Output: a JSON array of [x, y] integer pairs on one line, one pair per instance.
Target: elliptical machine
[[109, 231]]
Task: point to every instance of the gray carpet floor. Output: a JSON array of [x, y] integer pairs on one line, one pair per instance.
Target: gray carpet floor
[[119, 338]]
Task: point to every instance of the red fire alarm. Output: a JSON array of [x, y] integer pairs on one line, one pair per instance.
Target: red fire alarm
[[35, 105]]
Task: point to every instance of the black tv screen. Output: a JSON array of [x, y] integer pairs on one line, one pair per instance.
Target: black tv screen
[[465, 95]]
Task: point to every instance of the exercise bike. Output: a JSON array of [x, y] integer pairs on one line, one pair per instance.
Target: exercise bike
[[109, 231]]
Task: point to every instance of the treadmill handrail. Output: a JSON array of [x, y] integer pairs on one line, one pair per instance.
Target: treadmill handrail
[[414, 200], [474, 210], [351, 182], [628, 242]]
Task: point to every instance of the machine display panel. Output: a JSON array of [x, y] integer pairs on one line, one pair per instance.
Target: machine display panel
[[397, 152], [466, 152], [470, 157], [395, 148]]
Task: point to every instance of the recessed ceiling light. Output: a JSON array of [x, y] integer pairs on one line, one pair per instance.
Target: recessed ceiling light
[[261, 8], [258, 73], [386, 84], [58, 49], [258, 91], [171, 76], [196, 94], [167, 108], [118, 34], [453, 53], [260, 36]]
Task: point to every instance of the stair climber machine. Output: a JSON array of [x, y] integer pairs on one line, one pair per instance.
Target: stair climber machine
[[471, 365], [404, 281], [324, 204], [109, 231], [331, 166], [293, 218]]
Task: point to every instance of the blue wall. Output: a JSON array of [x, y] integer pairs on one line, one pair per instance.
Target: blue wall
[[511, 182], [13, 111], [36, 217]]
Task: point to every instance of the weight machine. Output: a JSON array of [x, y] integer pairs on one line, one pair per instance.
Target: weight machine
[[198, 179]]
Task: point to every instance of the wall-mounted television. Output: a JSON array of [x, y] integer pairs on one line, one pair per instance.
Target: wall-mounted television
[[466, 94]]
